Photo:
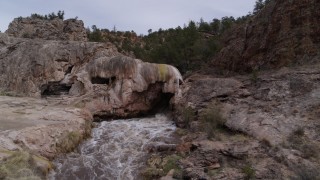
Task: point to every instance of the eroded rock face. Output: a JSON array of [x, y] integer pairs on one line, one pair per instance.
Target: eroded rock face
[[56, 29], [95, 75], [270, 107], [283, 33]]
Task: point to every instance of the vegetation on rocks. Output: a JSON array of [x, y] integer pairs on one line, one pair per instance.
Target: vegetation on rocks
[[188, 115], [161, 165], [212, 119], [187, 48], [51, 16], [70, 142], [297, 140], [249, 172], [23, 165]]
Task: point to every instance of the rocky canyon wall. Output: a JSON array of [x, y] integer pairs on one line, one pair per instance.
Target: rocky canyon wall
[[281, 34]]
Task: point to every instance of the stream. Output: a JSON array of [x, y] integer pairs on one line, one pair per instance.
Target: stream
[[117, 150]]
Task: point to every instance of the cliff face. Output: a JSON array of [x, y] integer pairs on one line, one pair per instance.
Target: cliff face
[[56, 29], [283, 33]]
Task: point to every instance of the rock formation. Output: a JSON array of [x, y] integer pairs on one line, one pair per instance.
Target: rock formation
[[106, 81], [283, 33], [55, 29], [279, 108], [41, 126], [67, 84]]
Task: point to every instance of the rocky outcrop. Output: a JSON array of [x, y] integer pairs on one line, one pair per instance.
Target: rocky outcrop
[[283, 33], [269, 107], [41, 126], [278, 108], [55, 29], [70, 83], [94, 75]]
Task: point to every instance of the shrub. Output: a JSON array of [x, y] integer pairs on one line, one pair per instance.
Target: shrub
[[188, 115], [26, 35], [249, 172], [266, 143], [151, 173], [310, 151], [298, 132], [212, 119], [171, 162], [161, 167], [254, 76]]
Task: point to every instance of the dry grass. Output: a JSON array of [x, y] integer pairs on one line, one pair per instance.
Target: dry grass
[[23, 165], [70, 142], [161, 166]]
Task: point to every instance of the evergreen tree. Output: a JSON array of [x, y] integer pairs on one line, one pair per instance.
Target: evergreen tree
[[258, 6]]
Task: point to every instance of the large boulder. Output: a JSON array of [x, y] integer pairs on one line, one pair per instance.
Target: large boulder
[[55, 29], [94, 75]]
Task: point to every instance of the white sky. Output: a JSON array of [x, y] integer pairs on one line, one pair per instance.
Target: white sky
[[137, 15]]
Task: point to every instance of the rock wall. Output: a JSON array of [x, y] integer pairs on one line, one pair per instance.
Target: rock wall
[[283, 33], [279, 108], [93, 75], [56, 29]]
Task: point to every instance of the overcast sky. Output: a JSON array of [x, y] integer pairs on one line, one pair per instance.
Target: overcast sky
[[137, 15]]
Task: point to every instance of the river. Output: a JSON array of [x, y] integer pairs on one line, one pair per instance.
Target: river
[[117, 150]]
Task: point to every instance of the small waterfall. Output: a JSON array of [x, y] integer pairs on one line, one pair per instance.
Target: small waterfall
[[117, 150]]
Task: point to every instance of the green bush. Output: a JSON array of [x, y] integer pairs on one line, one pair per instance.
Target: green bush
[[249, 172], [212, 119], [188, 115], [171, 162]]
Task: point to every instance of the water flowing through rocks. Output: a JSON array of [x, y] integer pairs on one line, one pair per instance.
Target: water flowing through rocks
[[117, 149]]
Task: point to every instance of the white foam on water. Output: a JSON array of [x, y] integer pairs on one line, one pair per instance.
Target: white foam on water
[[115, 151]]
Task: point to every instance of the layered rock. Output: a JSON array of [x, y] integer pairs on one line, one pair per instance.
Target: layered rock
[[283, 33], [278, 108], [95, 75], [55, 29]]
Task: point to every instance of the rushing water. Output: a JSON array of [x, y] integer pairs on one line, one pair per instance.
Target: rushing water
[[117, 150]]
